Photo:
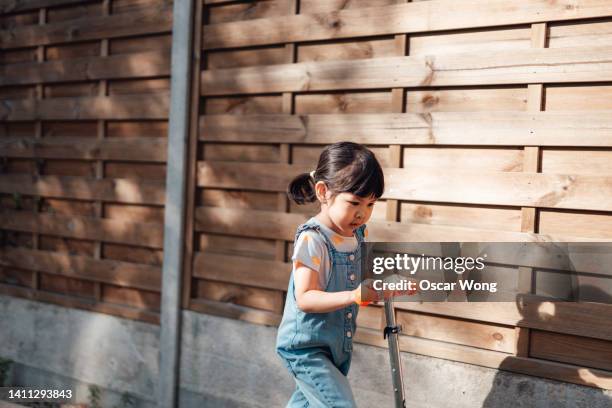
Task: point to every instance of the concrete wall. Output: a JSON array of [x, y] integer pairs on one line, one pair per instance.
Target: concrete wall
[[228, 363]]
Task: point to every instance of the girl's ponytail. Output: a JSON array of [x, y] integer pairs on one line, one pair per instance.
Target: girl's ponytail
[[301, 189]]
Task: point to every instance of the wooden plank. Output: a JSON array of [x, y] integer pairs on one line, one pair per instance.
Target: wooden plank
[[66, 286], [118, 190], [580, 33], [66, 245], [245, 58], [468, 99], [580, 64], [578, 98], [483, 217], [462, 158], [577, 161], [141, 86], [345, 102], [80, 303], [486, 336], [73, 12], [274, 225], [247, 11], [150, 64], [14, 6], [134, 275], [509, 39], [136, 298], [257, 298], [192, 149], [233, 311], [444, 128], [317, 6], [594, 226], [135, 171], [155, 42], [96, 107], [135, 149], [236, 245], [346, 50], [141, 255], [471, 187], [242, 270], [393, 19], [502, 188], [238, 105], [153, 20], [241, 152], [147, 234], [577, 350]]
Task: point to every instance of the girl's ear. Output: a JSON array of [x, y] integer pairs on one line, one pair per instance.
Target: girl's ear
[[321, 191]]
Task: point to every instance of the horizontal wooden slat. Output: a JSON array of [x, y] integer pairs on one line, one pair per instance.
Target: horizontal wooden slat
[[571, 349], [14, 6], [275, 225], [402, 18], [81, 303], [235, 311], [503, 188], [261, 176], [153, 20], [437, 128], [473, 187], [578, 64], [138, 276], [133, 149], [146, 234], [104, 107], [242, 270], [117, 190], [135, 65], [493, 359], [487, 336]]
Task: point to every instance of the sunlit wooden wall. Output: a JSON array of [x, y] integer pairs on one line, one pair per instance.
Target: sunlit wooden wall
[[84, 88], [492, 120]]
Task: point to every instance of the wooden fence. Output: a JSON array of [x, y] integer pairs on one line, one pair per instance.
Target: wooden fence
[[493, 121], [84, 88]]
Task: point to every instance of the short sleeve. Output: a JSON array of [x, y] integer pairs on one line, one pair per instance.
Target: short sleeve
[[309, 250]]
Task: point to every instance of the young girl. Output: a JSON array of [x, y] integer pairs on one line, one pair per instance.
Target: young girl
[[315, 337]]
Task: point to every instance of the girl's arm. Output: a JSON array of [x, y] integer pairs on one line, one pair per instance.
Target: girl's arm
[[312, 299]]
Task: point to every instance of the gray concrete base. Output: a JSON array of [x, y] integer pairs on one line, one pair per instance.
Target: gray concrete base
[[229, 363]]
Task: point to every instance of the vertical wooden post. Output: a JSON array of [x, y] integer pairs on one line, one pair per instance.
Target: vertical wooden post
[[194, 132], [531, 163], [285, 148], [101, 134], [38, 134]]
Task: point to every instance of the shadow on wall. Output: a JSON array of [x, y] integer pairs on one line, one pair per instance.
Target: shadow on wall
[[523, 392]]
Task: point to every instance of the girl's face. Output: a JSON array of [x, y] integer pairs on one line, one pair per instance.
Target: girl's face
[[345, 211]]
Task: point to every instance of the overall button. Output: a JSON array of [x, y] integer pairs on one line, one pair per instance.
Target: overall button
[[349, 334], [349, 315], [352, 257], [352, 277]]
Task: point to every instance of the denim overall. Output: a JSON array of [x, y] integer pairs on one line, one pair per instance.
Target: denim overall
[[317, 347]]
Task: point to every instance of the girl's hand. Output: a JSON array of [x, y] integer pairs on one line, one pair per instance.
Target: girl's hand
[[366, 294]]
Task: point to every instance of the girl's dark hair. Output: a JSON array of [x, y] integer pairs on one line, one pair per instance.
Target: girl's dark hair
[[345, 167]]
